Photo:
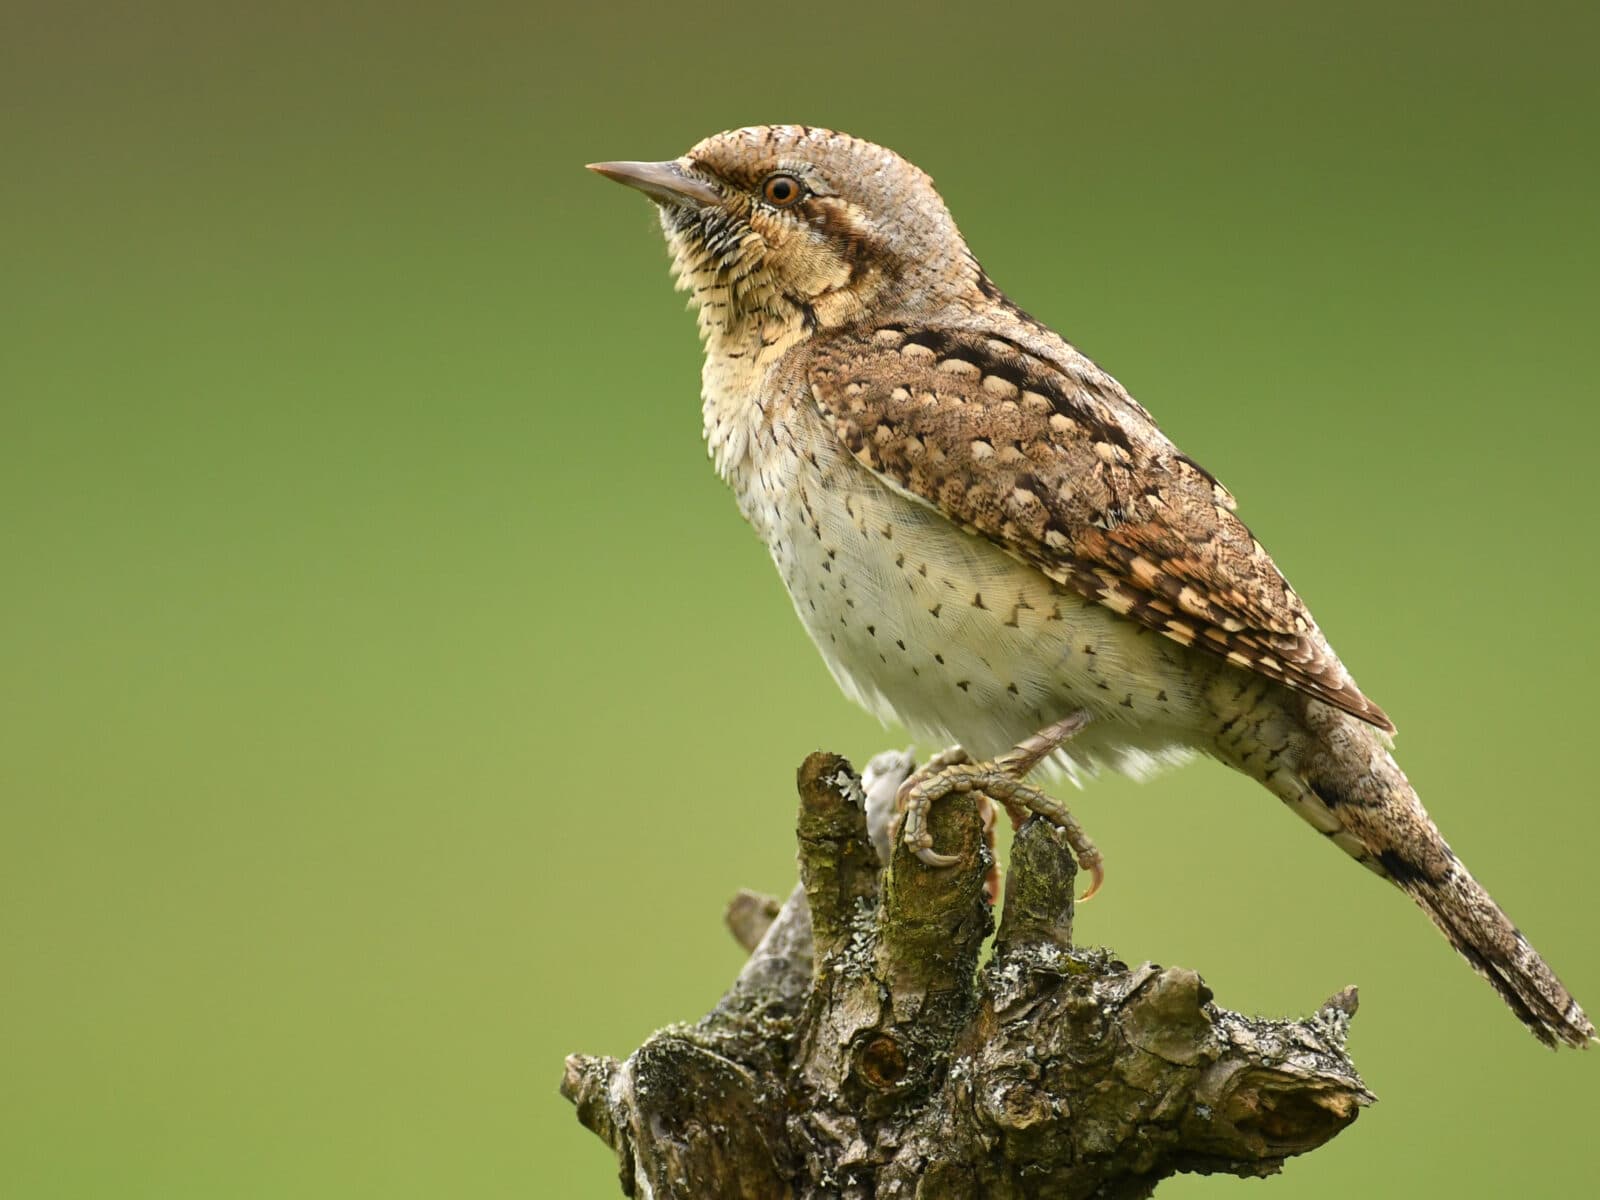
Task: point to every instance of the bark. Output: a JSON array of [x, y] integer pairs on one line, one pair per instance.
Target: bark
[[863, 1052]]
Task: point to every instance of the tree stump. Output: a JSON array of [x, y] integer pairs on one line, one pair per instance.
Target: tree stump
[[862, 1052]]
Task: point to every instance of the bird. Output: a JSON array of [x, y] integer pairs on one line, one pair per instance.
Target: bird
[[993, 544]]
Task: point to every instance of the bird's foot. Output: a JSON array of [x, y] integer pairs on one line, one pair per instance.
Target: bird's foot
[[1001, 780]]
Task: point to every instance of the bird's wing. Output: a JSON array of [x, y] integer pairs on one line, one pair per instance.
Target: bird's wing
[[1062, 470]]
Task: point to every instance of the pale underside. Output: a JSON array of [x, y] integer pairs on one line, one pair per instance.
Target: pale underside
[[937, 629]]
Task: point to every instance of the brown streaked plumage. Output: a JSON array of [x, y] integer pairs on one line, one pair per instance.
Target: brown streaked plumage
[[985, 535], [1066, 473]]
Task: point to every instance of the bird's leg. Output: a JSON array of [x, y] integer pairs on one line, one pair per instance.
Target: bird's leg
[[1002, 780]]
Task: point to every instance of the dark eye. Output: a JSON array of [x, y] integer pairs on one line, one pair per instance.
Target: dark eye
[[781, 190]]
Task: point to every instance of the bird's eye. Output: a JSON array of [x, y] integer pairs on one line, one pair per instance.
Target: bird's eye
[[781, 190]]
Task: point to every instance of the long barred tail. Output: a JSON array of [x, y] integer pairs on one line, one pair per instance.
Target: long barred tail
[[1349, 787]]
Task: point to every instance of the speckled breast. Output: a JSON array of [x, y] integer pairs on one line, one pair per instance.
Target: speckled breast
[[923, 623]]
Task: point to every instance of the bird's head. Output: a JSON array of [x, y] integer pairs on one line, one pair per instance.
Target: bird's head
[[775, 221]]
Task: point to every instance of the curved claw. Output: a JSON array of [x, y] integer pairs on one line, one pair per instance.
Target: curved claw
[[1097, 876], [933, 858]]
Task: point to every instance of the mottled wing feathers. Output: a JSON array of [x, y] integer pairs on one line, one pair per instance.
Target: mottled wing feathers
[[1059, 467]]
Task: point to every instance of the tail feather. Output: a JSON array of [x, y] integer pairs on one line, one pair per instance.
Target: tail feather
[[1337, 773], [1497, 950], [1353, 778]]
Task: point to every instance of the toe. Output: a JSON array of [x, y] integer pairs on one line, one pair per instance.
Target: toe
[[933, 858], [1097, 876]]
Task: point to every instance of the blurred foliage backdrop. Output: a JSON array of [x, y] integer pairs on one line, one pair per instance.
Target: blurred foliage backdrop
[[392, 697]]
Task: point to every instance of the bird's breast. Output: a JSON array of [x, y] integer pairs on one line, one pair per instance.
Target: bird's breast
[[923, 623]]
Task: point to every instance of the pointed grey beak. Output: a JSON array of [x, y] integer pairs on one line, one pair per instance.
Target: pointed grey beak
[[667, 182]]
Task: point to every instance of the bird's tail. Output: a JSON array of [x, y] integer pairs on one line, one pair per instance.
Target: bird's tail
[[1349, 787]]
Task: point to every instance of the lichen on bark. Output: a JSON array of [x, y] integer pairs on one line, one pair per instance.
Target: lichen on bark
[[863, 1052]]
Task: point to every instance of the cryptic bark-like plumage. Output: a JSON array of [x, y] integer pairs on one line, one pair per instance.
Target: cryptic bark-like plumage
[[984, 533]]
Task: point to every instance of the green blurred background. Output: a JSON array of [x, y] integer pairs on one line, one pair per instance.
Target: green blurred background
[[392, 698]]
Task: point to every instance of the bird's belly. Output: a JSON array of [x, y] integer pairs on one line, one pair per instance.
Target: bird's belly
[[923, 623]]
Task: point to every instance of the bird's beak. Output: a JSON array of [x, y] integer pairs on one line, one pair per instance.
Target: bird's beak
[[667, 182]]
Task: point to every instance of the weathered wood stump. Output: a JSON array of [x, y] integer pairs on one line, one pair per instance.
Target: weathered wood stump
[[863, 1053]]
